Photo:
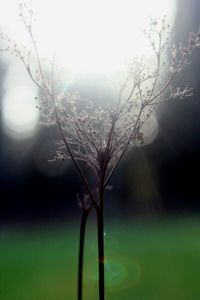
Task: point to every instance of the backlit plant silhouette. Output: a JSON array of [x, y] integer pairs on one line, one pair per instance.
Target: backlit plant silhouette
[[96, 137]]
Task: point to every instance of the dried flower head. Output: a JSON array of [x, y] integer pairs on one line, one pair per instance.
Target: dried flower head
[[99, 135]]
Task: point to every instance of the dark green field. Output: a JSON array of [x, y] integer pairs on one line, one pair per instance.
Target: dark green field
[[153, 261]]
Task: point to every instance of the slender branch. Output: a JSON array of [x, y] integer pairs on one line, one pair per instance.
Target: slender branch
[[127, 100], [27, 68], [38, 59], [84, 217], [158, 54], [171, 77], [124, 149], [159, 102], [68, 146], [74, 160], [100, 233], [120, 139], [88, 138]]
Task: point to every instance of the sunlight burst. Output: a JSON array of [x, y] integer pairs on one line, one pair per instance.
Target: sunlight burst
[[92, 35], [97, 36], [87, 36]]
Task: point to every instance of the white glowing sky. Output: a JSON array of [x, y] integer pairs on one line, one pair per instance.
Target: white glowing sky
[[93, 35], [87, 36]]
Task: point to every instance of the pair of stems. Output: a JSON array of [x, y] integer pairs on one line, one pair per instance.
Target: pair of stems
[[100, 239]]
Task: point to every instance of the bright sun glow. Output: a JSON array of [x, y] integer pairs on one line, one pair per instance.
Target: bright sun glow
[[86, 35], [93, 35]]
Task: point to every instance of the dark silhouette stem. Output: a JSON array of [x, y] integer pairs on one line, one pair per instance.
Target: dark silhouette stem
[[100, 232], [84, 217]]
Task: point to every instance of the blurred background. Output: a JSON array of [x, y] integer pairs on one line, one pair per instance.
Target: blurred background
[[152, 212]]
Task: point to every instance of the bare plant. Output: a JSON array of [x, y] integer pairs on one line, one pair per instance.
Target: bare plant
[[97, 136]]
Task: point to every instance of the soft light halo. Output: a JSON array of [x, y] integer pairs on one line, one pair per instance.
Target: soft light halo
[[88, 35]]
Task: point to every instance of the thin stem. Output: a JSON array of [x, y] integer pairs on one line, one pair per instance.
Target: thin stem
[[100, 232], [106, 180], [84, 217], [74, 159]]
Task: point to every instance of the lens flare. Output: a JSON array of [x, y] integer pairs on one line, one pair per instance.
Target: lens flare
[[120, 273], [19, 114]]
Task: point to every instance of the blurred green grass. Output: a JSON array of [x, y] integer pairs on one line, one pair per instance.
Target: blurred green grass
[[150, 261]]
